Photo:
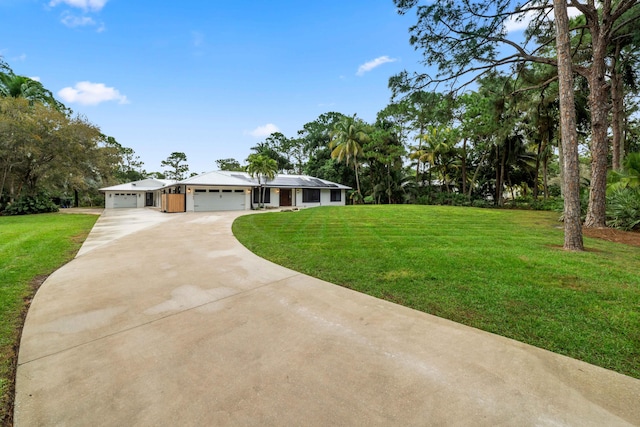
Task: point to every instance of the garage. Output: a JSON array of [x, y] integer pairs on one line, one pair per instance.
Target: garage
[[217, 199], [125, 200]]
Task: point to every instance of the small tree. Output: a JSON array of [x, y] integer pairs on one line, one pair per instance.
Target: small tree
[[263, 168], [178, 169]]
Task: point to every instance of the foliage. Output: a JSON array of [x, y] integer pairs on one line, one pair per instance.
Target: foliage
[[314, 138], [347, 138], [14, 86], [469, 40], [229, 165], [383, 153], [623, 208], [31, 248], [628, 177], [276, 147], [502, 271], [127, 165], [175, 166], [41, 148], [31, 204], [264, 168]]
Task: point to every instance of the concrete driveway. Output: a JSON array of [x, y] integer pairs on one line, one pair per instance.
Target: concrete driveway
[[166, 320]]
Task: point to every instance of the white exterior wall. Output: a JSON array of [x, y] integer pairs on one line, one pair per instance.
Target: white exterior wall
[[296, 196], [275, 198], [325, 199]]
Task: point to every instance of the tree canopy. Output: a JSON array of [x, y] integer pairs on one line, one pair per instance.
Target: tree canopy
[[466, 40], [175, 166]]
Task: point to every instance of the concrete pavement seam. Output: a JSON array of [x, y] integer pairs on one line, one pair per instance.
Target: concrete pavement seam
[[156, 320]]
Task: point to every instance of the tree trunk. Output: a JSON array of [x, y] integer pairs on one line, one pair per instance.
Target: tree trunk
[[598, 104], [561, 162], [536, 176], [355, 167], [389, 183], [495, 202], [617, 103], [464, 166], [503, 163], [475, 174], [6, 171], [572, 225], [544, 152], [545, 177]]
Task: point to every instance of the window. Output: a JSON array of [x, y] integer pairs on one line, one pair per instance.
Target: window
[[238, 191], [198, 190], [227, 191], [310, 195], [266, 196], [336, 195]]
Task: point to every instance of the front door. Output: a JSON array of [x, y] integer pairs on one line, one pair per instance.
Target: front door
[[285, 197]]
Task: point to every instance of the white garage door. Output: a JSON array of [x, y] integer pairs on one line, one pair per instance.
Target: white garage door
[[125, 200], [218, 200]]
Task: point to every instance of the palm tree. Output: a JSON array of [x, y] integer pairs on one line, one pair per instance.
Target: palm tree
[[437, 149], [261, 167], [15, 86], [347, 138]]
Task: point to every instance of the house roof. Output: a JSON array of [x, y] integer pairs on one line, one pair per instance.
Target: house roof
[[229, 179], [222, 178], [148, 184], [243, 179]]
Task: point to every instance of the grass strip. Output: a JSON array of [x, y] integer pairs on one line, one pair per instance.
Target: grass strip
[[31, 248]]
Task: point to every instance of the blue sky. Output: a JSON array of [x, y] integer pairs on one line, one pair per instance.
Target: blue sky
[[208, 78]]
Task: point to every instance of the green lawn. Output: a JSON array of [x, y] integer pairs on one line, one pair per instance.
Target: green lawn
[[502, 271], [31, 247]]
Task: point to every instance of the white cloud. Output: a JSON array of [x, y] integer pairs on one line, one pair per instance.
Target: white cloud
[[87, 93], [35, 78], [263, 131], [72, 21], [368, 66], [93, 5], [513, 24]]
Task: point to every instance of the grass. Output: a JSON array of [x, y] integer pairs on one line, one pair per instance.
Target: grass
[[502, 271], [31, 248]]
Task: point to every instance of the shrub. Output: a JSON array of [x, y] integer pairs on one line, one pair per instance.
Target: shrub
[[422, 200], [40, 203], [481, 203], [451, 199], [623, 209]]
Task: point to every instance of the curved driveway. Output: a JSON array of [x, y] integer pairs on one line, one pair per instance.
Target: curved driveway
[[166, 320]]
